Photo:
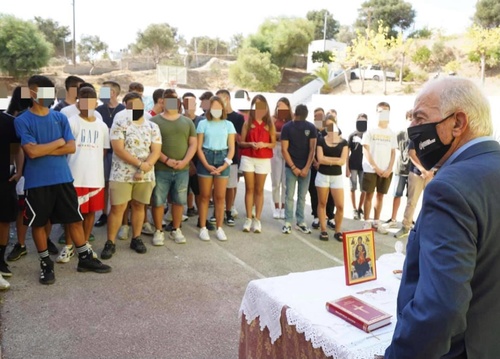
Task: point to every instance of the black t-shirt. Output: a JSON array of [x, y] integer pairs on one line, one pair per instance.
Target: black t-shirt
[[238, 121], [8, 136], [298, 134], [60, 105], [356, 156], [108, 113], [328, 151]]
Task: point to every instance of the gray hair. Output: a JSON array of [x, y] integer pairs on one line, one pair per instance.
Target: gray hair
[[461, 94]]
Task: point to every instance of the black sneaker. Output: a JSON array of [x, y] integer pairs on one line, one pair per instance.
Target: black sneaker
[[137, 245], [4, 269], [229, 220], [212, 220], [103, 219], [47, 275], [91, 264], [191, 212], [51, 247], [17, 252], [109, 250], [209, 225], [315, 223], [324, 236]]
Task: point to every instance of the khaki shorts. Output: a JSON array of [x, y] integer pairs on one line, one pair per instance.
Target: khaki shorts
[[372, 181], [122, 192]]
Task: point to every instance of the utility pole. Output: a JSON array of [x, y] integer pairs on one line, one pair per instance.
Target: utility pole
[[74, 35]]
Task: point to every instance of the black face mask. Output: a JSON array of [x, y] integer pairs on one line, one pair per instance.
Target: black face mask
[[137, 114], [361, 125], [428, 146]]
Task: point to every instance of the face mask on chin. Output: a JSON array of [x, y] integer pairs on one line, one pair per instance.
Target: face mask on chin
[[428, 145]]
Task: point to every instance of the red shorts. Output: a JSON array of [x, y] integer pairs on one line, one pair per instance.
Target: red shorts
[[90, 199]]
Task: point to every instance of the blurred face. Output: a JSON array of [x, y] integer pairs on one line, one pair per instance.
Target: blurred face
[[225, 99], [205, 105], [283, 110], [189, 104], [260, 109], [87, 103], [44, 96], [171, 104], [135, 104]]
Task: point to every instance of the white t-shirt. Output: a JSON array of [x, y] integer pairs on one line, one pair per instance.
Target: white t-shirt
[[72, 110], [87, 163], [137, 141], [381, 141]]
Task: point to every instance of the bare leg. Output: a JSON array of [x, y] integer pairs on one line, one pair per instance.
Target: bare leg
[[205, 195], [219, 198], [249, 192], [114, 220], [88, 224], [368, 205], [322, 199], [338, 198], [260, 179], [378, 205], [158, 216], [137, 217]]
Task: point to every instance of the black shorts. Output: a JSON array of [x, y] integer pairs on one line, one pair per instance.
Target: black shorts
[[8, 201], [58, 202], [194, 185]]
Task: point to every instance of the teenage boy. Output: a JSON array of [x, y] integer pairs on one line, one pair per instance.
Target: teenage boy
[[71, 84], [108, 94], [136, 148], [238, 120], [91, 141], [379, 152], [298, 145], [172, 170], [46, 139]]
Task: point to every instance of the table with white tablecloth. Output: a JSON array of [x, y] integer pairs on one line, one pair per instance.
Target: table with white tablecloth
[[289, 312]]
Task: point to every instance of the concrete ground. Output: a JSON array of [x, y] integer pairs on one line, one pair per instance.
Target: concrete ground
[[178, 301]]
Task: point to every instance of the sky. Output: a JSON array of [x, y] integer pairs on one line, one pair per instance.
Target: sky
[[117, 22]]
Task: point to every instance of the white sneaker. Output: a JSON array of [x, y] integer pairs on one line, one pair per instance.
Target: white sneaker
[[282, 213], [234, 212], [66, 253], [148, 228], [158, 238], [381, 228], [248, 224], [204, 236], [276, 213], [221, 236], [257, 227], [177, 236], [123, 232], [4, 285]]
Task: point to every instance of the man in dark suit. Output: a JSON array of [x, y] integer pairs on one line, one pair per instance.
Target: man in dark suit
[[449, 299]]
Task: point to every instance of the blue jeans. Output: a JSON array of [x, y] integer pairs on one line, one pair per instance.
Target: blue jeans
[[174, 183], [291, 181]]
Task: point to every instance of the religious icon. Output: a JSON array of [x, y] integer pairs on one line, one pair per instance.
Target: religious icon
[[359, 256]]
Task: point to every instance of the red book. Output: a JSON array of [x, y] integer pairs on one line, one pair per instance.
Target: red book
[[360, 314]]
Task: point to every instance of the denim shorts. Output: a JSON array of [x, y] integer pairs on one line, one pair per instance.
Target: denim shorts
[[400, 183], [214, 158], [173, 183]]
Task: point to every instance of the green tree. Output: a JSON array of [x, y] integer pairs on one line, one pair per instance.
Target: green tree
[[325, 57], [395, 14], [23, 47], [485, 44], [422, 57], [487, 13], [55, 34], [318, 20], [159, 41], [282, 38], [346, 34], [377, 48], [254, 71], [89, 48]]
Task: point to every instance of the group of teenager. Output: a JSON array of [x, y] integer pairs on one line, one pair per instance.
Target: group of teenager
[[64, 162]]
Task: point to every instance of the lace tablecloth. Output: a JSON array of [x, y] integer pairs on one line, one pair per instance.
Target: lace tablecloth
[[305, 295]]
